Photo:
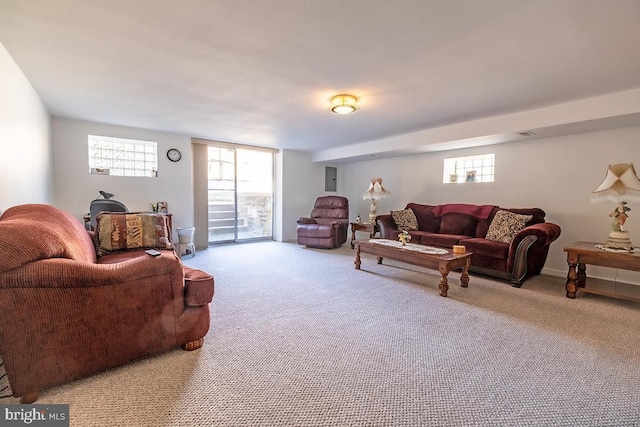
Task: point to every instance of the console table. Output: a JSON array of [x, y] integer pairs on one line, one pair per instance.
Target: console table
[[579, 254]]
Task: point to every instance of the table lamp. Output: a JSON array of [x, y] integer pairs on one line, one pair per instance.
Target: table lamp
[[375, 192], [620, 185]]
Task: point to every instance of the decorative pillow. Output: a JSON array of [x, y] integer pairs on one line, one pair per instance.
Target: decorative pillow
[[505, 225], [405, 219], [121, 231]]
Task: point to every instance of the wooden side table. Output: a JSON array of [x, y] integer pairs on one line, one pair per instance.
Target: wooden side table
[[369, 227], [579, 254]]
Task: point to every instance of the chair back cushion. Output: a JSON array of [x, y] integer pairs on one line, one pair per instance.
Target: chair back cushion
[[427, 221], [336, 207], [33, 232]]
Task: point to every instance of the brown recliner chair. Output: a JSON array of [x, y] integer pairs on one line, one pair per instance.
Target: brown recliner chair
[[327, 226]]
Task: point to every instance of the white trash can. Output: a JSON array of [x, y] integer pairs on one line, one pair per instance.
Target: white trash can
[[185, 244]]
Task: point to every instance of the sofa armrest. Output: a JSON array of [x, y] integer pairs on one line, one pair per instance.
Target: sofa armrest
[[385, 224], [528, 250], [303, 220], [545, 232], [198, 287]]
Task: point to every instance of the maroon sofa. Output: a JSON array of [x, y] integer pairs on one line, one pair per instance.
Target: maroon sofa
[[67, 313], [467, 225]]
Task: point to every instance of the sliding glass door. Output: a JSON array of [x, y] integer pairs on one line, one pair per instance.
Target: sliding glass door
[[240, 194]]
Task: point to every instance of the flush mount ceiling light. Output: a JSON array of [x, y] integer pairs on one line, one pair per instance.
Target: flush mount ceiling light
[[344, 104]]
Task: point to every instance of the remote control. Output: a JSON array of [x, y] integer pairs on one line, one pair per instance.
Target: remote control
[[152, 252]]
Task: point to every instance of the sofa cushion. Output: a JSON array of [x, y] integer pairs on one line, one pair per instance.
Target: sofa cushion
[[121, 231], [484, 247], [505, 225], [405, 219], [458, 223], [426, 220], [442, 240]]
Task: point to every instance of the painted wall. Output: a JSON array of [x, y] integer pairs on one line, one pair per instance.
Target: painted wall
[[555, 174], [25, 137], [302, 181], [74, 187]]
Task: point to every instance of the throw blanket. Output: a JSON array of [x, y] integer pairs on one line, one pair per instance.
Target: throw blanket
[[480, 212]]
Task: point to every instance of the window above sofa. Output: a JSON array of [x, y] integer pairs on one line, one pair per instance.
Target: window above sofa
[[122, 157], [477, 168]]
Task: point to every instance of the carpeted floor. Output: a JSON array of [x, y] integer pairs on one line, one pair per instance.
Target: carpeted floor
[[299, 337]]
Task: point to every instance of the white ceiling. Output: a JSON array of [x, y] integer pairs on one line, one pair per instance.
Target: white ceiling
[[262, 72]]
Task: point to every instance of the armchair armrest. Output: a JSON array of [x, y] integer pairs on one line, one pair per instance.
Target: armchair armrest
[[198, 287], [303, 220], [385, 224], [66, 273]]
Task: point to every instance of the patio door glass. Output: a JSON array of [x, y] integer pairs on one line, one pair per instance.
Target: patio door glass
[[240, 192]]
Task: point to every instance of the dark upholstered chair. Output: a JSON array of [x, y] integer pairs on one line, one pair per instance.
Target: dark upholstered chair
[[327, 225], [103, 205]]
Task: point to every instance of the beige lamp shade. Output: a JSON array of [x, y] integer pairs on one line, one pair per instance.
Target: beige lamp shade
[[376, 191], [620, 184]]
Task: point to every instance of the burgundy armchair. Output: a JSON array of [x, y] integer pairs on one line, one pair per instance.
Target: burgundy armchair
[[327, 225]]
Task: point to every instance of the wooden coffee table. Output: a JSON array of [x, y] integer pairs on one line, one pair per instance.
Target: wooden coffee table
[[411, 254]]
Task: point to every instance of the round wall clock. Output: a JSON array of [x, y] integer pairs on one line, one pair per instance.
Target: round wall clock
[[174, 155]]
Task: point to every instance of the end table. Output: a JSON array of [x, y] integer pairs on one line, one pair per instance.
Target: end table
[[369, 227]]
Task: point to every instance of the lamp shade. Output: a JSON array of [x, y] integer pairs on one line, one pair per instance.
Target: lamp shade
[[376, 191], [620, 184]]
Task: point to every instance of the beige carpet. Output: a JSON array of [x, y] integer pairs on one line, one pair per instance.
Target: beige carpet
[[299, 337]]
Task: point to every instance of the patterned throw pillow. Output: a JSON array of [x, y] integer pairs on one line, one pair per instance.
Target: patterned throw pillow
[[505, 225], [120, 231], [405, 219]]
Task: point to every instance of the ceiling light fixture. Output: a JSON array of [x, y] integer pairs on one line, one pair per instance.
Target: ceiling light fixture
[[344, 104]]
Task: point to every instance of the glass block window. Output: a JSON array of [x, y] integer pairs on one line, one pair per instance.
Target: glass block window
[[469, 169], [122, 157]]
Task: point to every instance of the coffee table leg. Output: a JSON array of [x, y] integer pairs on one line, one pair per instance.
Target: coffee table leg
[[357, 261], [444, 285], [464, 277]]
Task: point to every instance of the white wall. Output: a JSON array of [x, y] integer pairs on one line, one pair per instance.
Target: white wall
[[74, 187], [302, 181], [25, 137], [555, 174]]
